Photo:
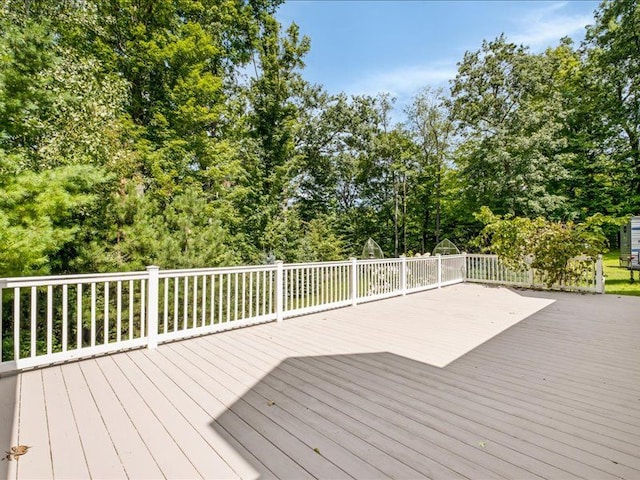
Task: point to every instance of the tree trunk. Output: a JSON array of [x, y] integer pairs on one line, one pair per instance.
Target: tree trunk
[[425, 229], [404, 215], [438, 193], [395, 216], [634, 143]]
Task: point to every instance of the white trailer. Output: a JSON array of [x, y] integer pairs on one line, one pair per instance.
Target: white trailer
[[630, 245]]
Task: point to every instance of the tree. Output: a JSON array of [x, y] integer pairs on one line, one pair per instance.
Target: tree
[[186, 232], [323, 140], [40, 214], [153, 92], [56, 128], [273, 91], [431, 127], [345, 170], [594, 181], [613, 52], [509, 117], [320, 243]]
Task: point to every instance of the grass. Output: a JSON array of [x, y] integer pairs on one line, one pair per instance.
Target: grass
[[617, 277]]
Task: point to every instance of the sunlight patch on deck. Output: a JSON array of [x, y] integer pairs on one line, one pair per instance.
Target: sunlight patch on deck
[[435, 327]]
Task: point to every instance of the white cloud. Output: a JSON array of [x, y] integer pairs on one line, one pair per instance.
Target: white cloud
[[405, 80], [545, 26]]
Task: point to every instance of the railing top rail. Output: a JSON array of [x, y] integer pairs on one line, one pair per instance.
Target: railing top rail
[[12, 282], [216, 270], [317, 264], [369, 261], [493, 255], [424, 257]]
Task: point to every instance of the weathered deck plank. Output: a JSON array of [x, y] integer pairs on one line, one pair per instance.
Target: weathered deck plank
[[9, 418], [463, 382], [346, 449], [67, 452], [34, 429], [99, 450], [134, 454], [171, 459]]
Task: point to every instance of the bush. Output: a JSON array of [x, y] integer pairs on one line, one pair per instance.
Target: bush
[[560, 252]]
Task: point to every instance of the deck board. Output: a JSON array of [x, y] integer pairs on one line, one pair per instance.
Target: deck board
[[200, 413], [67, 451], [343, 446], [205, 386], [34, 429], [150, 382], [516, 418], [463, 382], [491, 422], [10, 402], [324, 383], [137, 460], [99, 450], [385, 434], [170, 458]]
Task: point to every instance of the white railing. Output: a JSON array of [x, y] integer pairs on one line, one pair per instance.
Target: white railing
[[52, 319], [490, 269], [313, 287], [379, 279], [60, 318], [194, 302]]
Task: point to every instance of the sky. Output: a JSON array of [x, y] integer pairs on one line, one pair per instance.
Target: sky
[[367, 47]]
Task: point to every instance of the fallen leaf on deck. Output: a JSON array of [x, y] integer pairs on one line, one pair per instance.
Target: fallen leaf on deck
[[482, 444], [317, 450], [16, 452]]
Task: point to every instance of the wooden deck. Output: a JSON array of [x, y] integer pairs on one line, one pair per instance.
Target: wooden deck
[[464, 382]]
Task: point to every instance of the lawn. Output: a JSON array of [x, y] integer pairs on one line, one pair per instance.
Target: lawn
[[617, 278]]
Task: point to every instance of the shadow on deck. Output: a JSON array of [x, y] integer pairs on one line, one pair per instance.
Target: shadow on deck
[[467, 381], [554, 396]]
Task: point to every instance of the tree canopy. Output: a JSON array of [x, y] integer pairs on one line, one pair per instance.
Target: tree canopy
[[185, 134]]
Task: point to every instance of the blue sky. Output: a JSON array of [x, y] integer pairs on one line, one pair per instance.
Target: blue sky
[[366, 47]]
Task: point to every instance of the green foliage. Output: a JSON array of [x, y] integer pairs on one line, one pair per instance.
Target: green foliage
[[40, 214], [613, 56], [290, 239], [186, 232], [510, 117], [431, 127], [184, 134], [560, 251], [320, 243]]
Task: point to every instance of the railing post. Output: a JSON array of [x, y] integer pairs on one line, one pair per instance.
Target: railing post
[[279, 290], [439, 257], [403, 275], [464, 266], [152, 306], [599, 275], [354, 281], [532, 275]]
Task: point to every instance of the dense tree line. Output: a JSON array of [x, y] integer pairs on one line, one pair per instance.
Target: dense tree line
[[184, 134]]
